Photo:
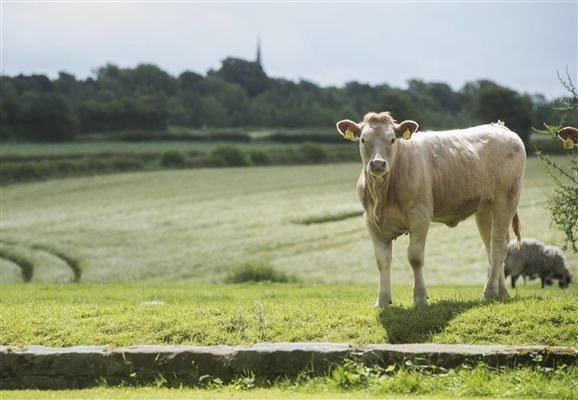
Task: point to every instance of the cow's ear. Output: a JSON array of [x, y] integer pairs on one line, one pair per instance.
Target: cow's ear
[[569, 133], [349, 129], [405, 129]]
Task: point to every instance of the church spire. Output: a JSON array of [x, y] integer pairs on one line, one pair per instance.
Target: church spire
[[258, 60]]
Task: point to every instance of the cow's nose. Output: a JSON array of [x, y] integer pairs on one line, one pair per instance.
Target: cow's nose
[[378, 165]]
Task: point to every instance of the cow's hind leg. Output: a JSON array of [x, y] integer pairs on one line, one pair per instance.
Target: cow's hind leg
[[415, 255], [484, 223], [496, 287]]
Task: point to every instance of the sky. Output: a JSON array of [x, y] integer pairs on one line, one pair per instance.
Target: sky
[[518, 44]]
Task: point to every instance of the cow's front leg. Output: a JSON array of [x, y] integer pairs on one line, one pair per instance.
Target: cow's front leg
[[383, 256], [415, 256]]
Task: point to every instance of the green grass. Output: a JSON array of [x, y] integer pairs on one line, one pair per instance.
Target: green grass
[[195, 225], [354, 381], [131, 314], [132, 236]]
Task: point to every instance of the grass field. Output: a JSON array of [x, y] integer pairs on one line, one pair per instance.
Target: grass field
[[202, 314], [150, 252], [197, 225]]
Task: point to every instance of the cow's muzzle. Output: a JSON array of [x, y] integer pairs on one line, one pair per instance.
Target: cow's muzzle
[[377, 167]]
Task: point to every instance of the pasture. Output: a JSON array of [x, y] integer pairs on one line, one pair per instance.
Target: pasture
[[208, 314], [197, 225], [175, 237], [149, 253]]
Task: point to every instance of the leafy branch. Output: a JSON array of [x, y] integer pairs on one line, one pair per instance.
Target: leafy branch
[[563, 203]]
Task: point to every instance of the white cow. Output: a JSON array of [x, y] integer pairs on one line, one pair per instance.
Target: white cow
[[409, 180]]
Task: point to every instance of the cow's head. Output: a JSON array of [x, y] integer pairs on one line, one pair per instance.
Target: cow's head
[[378, 135]]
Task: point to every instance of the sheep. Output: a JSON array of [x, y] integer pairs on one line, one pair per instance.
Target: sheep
[[535, 259]]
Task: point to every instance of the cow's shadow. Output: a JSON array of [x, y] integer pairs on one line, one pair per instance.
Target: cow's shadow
[[420, 324]]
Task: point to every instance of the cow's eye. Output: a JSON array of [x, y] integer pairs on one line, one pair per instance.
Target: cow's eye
[[392, 141], [362, 140]]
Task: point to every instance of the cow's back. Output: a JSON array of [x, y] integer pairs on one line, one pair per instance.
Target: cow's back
[[465, 169]]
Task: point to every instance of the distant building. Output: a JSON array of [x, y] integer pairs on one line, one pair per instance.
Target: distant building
[[258, 59]]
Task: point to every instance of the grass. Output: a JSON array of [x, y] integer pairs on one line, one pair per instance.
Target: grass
[[130, 237], [131, 314], [195, 225], [355, 381]]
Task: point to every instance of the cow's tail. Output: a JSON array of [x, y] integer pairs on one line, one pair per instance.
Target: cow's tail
[[516, 228]]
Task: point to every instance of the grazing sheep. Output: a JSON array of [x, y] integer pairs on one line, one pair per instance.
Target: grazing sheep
[[535, 259]]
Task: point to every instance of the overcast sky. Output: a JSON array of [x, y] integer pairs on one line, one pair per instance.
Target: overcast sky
[[520, 45]]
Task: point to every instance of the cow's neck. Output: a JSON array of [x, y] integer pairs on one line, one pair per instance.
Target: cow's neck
[[376, 189]]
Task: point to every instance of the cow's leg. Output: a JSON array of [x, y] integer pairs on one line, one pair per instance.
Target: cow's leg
[[383, 256], [514, 279], [484, 223], [502, 284], [496, 287], [415, 255]]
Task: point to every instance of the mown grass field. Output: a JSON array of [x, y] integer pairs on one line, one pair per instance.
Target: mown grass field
[[173, 237], [197, 225]]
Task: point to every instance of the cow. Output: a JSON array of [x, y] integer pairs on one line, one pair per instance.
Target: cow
[[411, 179]]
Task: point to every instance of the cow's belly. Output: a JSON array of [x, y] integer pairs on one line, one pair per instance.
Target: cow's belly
[[451, 216], [451, 220]]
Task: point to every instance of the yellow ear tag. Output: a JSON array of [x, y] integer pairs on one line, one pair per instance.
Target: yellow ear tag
[[568, 143], [407, 134], [349, 134]]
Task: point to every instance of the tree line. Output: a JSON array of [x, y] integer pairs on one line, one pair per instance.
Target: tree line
[[240, 94]]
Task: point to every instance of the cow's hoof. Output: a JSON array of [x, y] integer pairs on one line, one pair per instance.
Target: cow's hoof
[[422, 301], [495, 294], [382, 303], [420, 297]]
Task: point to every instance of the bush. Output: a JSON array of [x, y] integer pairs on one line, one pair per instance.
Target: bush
[[312, 152], [144, 136], [232, 155], [126, 164], [228, 137], [259, 157], [174, 159], [207, 161], [305, 137], [258, 273], [17, 172]]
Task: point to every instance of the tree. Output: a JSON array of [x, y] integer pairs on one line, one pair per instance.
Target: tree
[[45, 117], [508, 106], [563, 203], [249, 75], [398, 104], [241, 94]]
